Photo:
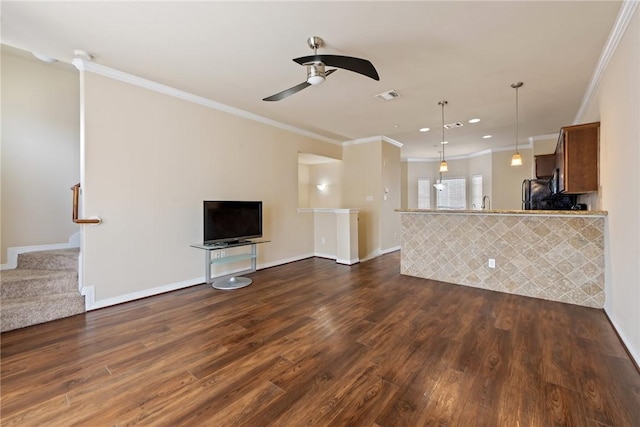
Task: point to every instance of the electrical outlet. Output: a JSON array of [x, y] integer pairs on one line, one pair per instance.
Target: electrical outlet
[[218, 254], [492, 263], [323, 240]]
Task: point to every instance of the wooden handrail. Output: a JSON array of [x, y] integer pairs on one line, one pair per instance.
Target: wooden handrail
[[74, 214]]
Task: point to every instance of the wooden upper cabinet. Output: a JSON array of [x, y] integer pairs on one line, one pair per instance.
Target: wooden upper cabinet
[[577, 158], [545, 165]]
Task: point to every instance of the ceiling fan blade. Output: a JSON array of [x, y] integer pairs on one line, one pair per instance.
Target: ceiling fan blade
[[357, 65], [288, 92]]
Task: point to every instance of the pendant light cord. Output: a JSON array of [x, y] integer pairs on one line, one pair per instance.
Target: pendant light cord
[[517, 121], [517, 86], [442, 142]]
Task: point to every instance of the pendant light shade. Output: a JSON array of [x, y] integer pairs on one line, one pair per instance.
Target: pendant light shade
[[443, 163], [439, 185], [516, 159]]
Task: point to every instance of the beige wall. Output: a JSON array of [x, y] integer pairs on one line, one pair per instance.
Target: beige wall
[[404, 185], [545, 146], [390, 229], [150, 161], [325, 236], [617, 107], [40, 150], [303, 186], [362, 190], [482, 165], [458, 168], [507, 180], [416, 170], [329, 174], [368, 169]]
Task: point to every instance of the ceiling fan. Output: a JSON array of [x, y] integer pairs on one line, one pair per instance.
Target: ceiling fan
[[315, 68]]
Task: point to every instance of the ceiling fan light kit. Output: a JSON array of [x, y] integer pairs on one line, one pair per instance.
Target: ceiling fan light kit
[[316, 72]]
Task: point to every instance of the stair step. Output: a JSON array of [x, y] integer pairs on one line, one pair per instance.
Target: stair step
[[21, 312], [22, 283], [60, 259]]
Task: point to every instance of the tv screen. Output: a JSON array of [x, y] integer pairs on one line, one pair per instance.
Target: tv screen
[[231, 221]]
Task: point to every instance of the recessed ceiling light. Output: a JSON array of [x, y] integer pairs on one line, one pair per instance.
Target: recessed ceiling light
[[396, 126], [424, 129], [474, 120], [487, 136]]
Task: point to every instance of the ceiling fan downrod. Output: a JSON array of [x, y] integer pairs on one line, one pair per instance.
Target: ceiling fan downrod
[[314, 43]]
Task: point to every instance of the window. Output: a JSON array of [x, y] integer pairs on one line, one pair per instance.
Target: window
[[453, 195], [424, 193], [476, 192]]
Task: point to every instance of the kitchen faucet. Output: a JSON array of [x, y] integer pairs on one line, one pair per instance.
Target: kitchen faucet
[[486, 198]]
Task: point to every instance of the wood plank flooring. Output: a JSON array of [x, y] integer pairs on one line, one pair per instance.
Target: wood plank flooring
[[318, 343]]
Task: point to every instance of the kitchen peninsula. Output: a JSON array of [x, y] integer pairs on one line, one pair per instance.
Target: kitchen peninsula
[[553, 255]]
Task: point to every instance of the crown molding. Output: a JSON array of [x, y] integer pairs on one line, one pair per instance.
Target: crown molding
[[468, 156], [362, 141], [392, 141], [479, 153], [548, 136], [377, 138], [92, 67], [619, 27]]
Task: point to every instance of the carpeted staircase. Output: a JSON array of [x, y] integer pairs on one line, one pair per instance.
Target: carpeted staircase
[[43, 287]]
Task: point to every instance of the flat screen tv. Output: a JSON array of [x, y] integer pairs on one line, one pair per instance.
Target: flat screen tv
[[231, 221]]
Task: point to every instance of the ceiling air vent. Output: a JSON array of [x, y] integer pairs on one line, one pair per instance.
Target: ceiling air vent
[[453, 125], [388, 95]]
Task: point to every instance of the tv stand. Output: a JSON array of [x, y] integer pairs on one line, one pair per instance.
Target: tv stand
[[229, 281]]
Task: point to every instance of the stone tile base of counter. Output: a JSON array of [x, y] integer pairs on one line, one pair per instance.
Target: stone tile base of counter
[[558, 258]]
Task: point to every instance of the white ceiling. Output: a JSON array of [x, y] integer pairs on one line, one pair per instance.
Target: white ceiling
[[238, 52]]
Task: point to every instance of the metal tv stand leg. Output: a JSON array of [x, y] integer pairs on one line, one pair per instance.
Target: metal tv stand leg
[[237, 282]]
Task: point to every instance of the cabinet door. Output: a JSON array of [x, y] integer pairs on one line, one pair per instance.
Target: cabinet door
[[581, 158], [545, 164], [560, 161]]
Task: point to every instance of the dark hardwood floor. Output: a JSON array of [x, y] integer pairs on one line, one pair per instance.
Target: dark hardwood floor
[[318, 343]]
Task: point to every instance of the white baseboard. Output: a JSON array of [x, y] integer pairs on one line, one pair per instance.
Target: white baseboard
[[389, 250], [626, 341], [89, 296], [326, 256], [285, 261], [12, 253], [348, 261], [92, 304]]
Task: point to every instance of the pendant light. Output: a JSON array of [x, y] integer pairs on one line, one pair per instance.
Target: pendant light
[[516, 159], [439, 185], [443, 163]]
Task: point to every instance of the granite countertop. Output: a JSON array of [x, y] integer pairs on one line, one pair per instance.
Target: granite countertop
[[503, 212]]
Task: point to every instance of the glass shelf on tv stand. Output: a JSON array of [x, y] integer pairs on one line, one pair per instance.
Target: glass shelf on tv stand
[[231, 281]]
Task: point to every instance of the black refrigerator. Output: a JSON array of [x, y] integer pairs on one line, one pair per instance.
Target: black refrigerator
[[537, 195]]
